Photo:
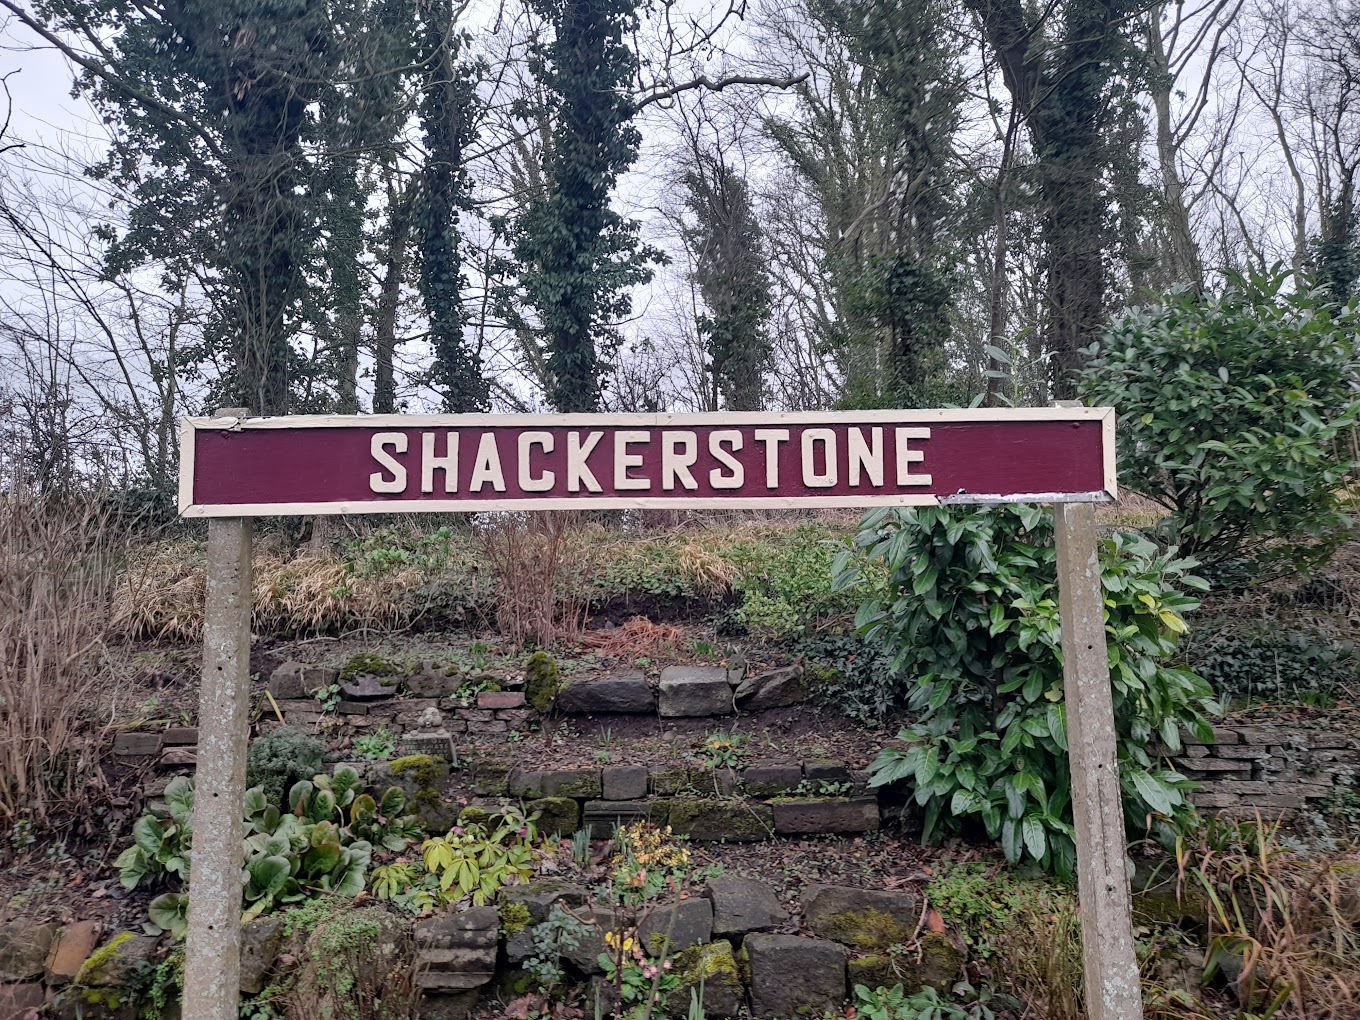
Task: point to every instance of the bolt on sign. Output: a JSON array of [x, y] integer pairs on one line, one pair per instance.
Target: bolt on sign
[[234, 467], [241, 467]]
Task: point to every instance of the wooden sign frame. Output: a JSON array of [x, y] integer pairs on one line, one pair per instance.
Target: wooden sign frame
[[213, 942]]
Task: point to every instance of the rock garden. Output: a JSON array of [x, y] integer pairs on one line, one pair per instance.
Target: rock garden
[[726, 800]]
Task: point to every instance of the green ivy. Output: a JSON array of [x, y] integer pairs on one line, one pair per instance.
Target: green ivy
[[971, 618]]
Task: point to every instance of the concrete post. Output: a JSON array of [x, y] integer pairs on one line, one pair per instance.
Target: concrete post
[[212, 951], [1109, 963]]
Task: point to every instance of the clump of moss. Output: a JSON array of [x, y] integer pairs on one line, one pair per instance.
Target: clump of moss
[[541, 681], [870, 930], [92, 971], [708, 962], [515, 917], [367, 664], [421, 769]]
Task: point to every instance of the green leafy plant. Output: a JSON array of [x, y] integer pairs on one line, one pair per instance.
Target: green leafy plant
[[1261, 662], [278, 759], [378, 745], [560, 933], [895, 1004], [473, 861], [1234, 415], [323, 843], [972, 620], [328, 697], [723, 749]]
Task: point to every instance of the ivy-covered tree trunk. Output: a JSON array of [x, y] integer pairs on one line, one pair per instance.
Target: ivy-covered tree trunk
[[1060, 81], [448, 115], [576, 255], [732, 273]]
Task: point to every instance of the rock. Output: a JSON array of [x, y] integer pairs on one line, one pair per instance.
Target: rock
[[555, 783], [435, 743], [871, 920], [668, 782], [367, 687], [259, 949], [500, 699], [711, 971], [825, 814], [937, 963], [137, 745], [436, 1005], [539, 897], [778, 688], [175, 757], [433, 681], [624, 782], [629, 692], [24, 945], [490, 778], [826, 772], [1156, 899], [457, 952], [585, 957], [687, 923], [602, 817], [793, 976], [15, 999], [176, 736], [722, 820], [71, 947], [116, 962], [694, 691], [770, 780], [741, 905], [559, 816], [297, 680]]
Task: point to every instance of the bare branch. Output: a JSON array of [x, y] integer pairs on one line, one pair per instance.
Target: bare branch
[[705, 82]]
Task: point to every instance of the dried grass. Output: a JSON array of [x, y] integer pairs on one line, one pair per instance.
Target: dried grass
[[58, 570], [162, 596], [638, 637], [530, 556]]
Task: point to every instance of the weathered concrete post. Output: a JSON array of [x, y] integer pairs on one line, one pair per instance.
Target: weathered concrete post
[[1110, 966], [212, 951]]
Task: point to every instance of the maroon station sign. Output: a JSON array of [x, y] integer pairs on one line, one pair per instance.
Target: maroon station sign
[[247, 467]]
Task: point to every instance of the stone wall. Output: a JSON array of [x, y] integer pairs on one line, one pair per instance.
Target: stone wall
[[1276, 769], [750, 952]]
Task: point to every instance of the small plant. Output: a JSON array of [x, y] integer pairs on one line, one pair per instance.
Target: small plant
[[515, 737], [724, 750], [561, 933], [604, 757], [822, 788], [379, 745], [473, 862], [278, 759], [642, 981], [328, 696], [605, 737], [580, 847], [469, 689], [895, 1004], [704, 649]]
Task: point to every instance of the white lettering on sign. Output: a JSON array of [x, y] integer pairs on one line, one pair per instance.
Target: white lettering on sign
[[623, 460], [486, 467], [527, 480], [772, 438], [720, 442], [906, 456], [644, 460], [394, 467], [430, 462]]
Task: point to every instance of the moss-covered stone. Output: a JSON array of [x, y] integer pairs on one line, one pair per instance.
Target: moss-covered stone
[[937, 963], [367, 664], [721, 820], [541, 681], [557, 815], [869, 930], [491, 778], [710, 970], [475, 814], [515, 917], [421, 777], [672, 782]]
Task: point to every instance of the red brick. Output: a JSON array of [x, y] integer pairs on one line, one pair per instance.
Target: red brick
[[500, 699]]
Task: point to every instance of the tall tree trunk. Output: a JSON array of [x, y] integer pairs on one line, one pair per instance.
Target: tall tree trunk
[[1183, 253], [389, 300]]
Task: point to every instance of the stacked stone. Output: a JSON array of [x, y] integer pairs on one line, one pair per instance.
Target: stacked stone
[[1275, 770], [719, 805]]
